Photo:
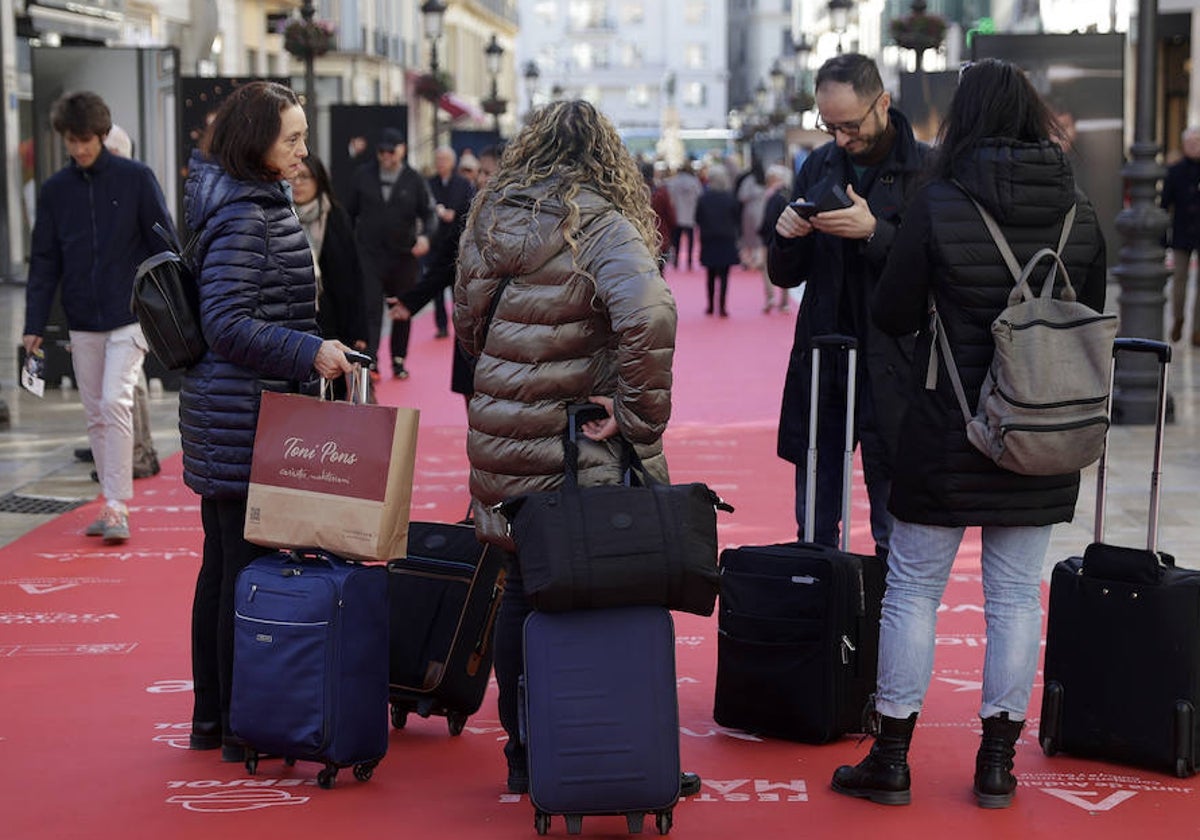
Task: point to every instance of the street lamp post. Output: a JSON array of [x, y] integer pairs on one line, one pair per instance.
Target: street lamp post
[[1140, 271], [494, 105], [839, 17], [531, 75], [434, 14], [310, 77]]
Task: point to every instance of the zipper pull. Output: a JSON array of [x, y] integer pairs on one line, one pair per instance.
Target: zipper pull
[[253, 590], [847, 649]]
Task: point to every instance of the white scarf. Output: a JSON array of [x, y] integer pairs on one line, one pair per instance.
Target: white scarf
[[313, 215]]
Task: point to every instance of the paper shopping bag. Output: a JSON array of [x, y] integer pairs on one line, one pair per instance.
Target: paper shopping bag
[[332, 475]]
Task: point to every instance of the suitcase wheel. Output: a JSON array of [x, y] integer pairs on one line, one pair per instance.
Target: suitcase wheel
[[1048, 746], [541, 822], [399, 716], [364, 771], [635, 822], [1182, 770], [574, 823], [326, 777], [455, 721], [251, 762], [663, 821]]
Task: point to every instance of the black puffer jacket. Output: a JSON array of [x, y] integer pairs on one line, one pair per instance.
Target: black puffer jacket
[[258, 311], [943, 248]]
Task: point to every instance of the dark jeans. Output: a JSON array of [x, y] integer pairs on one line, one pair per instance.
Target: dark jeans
[[831, 438], [509, 658], [399, 341], [440, 318], [678, 240], [718, 276], [225, 554]]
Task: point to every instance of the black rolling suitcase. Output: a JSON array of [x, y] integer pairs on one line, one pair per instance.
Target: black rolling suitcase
[[600, 716], [1122, 669], [798, 623], [443, 598]]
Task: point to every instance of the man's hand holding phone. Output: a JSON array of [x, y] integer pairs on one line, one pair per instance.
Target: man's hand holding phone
[[841, 212]]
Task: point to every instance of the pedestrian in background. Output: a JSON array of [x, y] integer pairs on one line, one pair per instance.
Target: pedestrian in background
[[94, 226], [452, 194], [719, 220], [775, 200], [996, 148], [1181, 198], [258, 308], [684, 188], [341, 298], [392, 211]]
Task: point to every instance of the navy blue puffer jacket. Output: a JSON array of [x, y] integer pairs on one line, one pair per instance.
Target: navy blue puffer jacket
[[258, 311]]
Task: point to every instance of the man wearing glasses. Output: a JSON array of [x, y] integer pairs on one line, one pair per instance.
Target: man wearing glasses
[[838, 254], [392, 211]]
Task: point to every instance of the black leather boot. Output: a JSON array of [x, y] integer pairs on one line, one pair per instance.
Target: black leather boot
[[995, 783], [883, 775]]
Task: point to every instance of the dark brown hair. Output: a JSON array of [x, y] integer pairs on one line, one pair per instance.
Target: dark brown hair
[[245, 128], [83, 114], [320, 176]]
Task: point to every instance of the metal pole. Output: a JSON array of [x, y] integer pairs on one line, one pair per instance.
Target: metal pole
[[496, 113], [310, 80], [1141, 270], [433, 69]]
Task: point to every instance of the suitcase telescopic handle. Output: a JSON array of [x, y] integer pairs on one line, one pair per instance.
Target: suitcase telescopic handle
[[1162, 351], [849, 344]]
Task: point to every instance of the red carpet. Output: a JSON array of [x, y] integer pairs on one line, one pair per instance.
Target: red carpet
[[95, 699]]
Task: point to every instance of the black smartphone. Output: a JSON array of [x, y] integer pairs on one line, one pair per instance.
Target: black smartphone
[[804, 209], [835, 199]]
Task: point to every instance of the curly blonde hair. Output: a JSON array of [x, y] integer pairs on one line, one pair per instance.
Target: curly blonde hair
[[575, 146]]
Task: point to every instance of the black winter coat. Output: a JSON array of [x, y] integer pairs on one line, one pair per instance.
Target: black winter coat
[[827, 264], [943, 248], [1181, 196], [387, 231], [258, 312], [719, 221], [342, 312]]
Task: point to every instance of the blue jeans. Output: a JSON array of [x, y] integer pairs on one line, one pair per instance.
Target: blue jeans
[[918, 569]]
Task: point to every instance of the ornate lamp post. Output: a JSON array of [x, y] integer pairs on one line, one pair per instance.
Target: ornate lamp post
[[434, 14], [802, 99], [494, 105], [307, 39], [778, 86], [1140, 270], [839, 17], [918, 31], [531, 75]]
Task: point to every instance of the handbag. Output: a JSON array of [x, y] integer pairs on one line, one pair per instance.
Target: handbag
[[332, 474], [616, 545]]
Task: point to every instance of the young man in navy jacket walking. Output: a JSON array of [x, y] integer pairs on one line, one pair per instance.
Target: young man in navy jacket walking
[[94, 226]]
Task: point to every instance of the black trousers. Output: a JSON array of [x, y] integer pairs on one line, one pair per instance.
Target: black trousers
[[226, 553], [509, 658]]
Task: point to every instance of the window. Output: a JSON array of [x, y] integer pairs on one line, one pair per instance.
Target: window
[[587, 14], [631, 54], [695, 56], [546, 12], [634, 11], [639, 96], [695, 11], [694, 94]]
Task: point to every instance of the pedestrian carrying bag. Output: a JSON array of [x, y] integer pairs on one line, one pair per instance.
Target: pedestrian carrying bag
[[166, 302], [1043, 404], [617, 545], [332, 474]]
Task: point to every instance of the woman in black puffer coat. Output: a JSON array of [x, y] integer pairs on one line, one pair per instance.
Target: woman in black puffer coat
[[258, 312], [996, 148]]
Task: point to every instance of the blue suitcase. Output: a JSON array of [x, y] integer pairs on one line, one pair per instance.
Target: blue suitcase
[[600, 716], [310, 662]]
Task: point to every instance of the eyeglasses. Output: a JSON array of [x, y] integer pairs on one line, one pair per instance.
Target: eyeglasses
[[850, 129]]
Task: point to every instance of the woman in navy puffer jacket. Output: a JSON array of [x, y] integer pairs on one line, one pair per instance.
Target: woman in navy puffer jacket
[[258, 311]]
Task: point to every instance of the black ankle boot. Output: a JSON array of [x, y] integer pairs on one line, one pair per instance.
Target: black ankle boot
[[883, 775], [995, 784], [206, 735]]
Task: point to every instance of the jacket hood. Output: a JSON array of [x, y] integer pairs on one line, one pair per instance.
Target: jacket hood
[[209, 187], [518, 231], [1019, 183]]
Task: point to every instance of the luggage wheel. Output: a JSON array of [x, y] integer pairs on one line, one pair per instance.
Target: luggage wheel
[[663, 820], [574, 823], [326, 777], [251, 762], [1182, 770], [635, 822], [364, 771], [1048, 746], [541, 822], [455, 721], [399, 716]]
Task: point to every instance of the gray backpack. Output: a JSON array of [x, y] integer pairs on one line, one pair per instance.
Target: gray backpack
[[1043, 406]]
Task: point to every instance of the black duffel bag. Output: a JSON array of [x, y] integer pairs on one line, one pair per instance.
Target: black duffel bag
[[617, 545]]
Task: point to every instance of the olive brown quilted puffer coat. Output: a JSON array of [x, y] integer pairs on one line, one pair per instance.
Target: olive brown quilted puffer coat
[[565, 328]]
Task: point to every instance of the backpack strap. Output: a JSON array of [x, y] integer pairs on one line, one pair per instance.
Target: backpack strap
[[1021, 290]]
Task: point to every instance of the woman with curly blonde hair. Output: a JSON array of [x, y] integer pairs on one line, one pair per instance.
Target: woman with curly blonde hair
[[584, 315]]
